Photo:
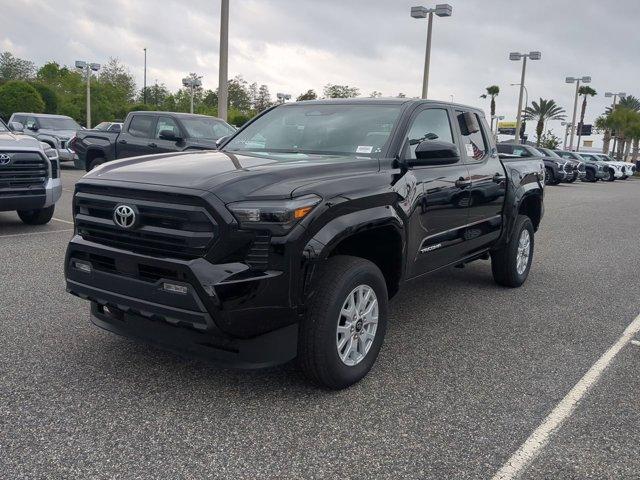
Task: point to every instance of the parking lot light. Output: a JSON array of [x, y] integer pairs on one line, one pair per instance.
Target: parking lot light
[[192, 82], [576, 80], [613, 107], [516, 56], [283, 97], [441, 10], [87, 68]]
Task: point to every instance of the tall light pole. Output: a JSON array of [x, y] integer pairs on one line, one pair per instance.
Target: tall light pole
[[441, 10], [87, 68], [516, 57], [283, 97], [613, 107], [144, 88], [566, 126], [192, 82], [223, 88], [577, 81]]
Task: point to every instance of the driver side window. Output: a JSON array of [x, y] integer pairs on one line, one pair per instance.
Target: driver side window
[[430, 124]]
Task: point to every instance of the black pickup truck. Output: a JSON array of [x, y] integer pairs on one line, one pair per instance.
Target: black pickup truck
[[146, 133], [290, 240]]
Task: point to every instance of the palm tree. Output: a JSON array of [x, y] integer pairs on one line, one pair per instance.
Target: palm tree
[[630, 103], [585, 91], [622, 120], [603, 125], [543, 111], [492, 91]]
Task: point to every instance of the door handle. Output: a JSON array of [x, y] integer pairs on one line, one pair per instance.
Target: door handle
[[497, 178], [152, 145], [463, 183], [122, 141]]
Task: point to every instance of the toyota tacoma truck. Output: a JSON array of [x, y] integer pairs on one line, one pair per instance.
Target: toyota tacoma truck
[[146, 133], [29, 177], [290, 240]]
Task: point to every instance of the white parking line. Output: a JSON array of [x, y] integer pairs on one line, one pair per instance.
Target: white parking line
[[539, 438], [63, 221], [36, 233]]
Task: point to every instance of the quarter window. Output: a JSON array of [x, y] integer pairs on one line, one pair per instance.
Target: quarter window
[[474, 145], [141, 126], [429, 125]]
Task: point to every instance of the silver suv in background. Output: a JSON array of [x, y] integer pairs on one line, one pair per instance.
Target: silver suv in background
[[29, 177], [54, 130]]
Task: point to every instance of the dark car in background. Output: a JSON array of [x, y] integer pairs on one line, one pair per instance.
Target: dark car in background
[[554, 166], [576, 161], [147, 133]]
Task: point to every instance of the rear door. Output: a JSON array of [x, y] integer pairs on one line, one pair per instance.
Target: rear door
[[136, 138], [441, 205], [488, 183]]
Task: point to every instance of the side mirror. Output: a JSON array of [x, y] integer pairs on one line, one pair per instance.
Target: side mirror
[[169, 135], [16, 127], [33, 128], [430, 152], [221, 140]]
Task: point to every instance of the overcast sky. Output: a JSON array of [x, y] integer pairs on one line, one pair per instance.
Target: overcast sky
[[294, 45]]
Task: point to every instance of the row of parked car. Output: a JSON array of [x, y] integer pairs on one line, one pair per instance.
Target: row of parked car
[[565, 166]]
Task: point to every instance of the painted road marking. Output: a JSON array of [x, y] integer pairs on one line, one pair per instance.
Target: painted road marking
[[36, 233], [539, 438], [636, 343], [63, 221]]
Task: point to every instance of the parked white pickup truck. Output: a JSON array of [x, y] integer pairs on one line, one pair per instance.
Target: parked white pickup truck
[[29, 177]]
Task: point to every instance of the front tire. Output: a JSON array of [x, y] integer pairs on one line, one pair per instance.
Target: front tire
[[94, 163], [38, 216], [609, 177], [549, 178], [341, 335], [511, 263]]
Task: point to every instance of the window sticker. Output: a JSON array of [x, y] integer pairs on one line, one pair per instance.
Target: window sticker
[[469, 149], [364, 149]]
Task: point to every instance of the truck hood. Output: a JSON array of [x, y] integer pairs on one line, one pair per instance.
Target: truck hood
[[231, 176], [10, 141], [59, 134]]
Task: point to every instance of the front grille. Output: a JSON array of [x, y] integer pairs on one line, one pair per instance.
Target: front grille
[[569, 167], [25, 174], [63, 144], [169, 225]]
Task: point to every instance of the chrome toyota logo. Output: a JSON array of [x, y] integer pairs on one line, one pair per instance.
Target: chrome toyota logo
[[125, 216], [4, 159]]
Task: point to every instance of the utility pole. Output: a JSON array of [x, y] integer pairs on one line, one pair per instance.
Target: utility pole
[[577, 81], [223, 87], [144, 89], [88, 68], [517, 56]]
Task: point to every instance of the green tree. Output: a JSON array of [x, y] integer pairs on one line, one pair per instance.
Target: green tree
[[49, 97], [308, 95], [263, 99], [375, 94], [549, 140], [239, 97], [585, 91], [542, 112], [340, 91], [19, 96], [13, 68], [116, 75], [603, 126], [622, 120], [492, 92], [626, 103]]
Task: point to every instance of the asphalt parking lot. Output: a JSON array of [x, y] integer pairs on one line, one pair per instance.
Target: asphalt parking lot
[[468, 371]]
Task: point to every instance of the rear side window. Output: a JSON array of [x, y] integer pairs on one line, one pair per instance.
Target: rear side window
[[474, 145], [141, 126], [430, 124]]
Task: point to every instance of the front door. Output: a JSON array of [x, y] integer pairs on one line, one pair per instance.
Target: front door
[[443, 196], [161, 145]]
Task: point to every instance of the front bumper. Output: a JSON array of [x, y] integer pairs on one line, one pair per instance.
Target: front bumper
[[33, 198], [67, 155], [227, 313]]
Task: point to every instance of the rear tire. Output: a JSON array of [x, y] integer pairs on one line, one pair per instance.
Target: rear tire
[[609, 178], [590, 177], [94, 163], [509, 267], [326, 325], [38, 216]]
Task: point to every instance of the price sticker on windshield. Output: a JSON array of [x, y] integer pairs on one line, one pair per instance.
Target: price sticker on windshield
[[364, 149]]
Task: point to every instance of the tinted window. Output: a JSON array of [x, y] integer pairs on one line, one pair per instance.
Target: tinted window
[[431, 124], [19, 118], [116, 127], [348, 129], [474, 144], [58, 123], [167, 123], [503, 148], [141, 126]]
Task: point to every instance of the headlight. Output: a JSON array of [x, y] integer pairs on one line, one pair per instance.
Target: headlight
[[560, 164], [51, 153], [277, 216]]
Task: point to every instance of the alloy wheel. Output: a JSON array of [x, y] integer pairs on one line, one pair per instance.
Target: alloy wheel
[[357, 325]]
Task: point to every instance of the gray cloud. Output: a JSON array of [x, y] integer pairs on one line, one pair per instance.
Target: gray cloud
[[375, 45]]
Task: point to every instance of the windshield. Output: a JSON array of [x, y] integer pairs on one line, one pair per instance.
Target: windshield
[[206, 128], [360, 130], [550, 153], [58, 123], [2, 127]]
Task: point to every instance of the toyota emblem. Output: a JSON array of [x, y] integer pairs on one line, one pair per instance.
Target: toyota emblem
[[4, 159], [125, 216]]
